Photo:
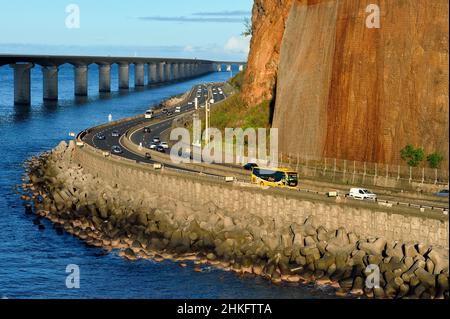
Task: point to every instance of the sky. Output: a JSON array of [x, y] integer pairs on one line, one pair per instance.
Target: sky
[[206, 29]]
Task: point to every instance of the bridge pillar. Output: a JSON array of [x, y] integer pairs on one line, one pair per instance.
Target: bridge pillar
[[81, 80], [50, 82], [197, 69], [175, 71], [182, 70], [104, 78], [22, 83], [152, 73], [187, 70], [139, 74], [162, 72], [241, 67], [124, 76], [168, 69]]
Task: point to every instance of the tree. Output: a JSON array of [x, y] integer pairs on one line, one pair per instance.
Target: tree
[[248, 32], [434, 160], [412, 156]]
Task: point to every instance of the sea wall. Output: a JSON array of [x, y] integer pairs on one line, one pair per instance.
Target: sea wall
[[374, 222], [119, 204]]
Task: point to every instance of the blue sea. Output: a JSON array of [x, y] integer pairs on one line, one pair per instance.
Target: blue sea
[[33, 262]]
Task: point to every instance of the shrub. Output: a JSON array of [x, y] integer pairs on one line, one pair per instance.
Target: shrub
[[412, 156], [434, 160]]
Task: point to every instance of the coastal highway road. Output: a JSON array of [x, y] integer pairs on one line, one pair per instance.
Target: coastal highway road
[[162, 122], [146, 139], [159, 123]]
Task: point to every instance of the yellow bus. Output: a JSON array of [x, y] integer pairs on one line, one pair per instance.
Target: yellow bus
[[278, 177]]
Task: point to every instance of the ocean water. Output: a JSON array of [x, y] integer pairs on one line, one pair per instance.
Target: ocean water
[[33, 262]]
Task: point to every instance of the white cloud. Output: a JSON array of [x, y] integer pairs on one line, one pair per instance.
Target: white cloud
[[188, 48], [237, 45]]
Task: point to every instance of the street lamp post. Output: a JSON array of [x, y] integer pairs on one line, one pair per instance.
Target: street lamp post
[[208, 114], [207, 122]]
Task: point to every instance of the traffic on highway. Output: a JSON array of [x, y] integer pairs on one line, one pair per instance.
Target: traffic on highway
[[156, 121], [108, 138]]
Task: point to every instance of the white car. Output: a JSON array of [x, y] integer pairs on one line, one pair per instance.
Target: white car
[[189, 103], [153, 146], [164, 145], [362, 194], [149, 114]]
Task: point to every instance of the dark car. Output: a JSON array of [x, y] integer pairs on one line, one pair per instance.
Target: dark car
[[147, 130], [100, 136], [156, 140], [160, 149], [116, 149], [170, 113], [249, 166], [442, 193], [164, 111]]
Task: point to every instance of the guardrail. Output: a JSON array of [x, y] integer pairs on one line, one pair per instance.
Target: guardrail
[[203, 169], [222, 179], [165, 159], [200, 170]]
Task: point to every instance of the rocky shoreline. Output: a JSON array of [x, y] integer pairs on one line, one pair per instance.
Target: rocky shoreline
[[140, 224]]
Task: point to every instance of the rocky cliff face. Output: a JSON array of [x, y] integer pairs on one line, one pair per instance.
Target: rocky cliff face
[[268, 22], [347, 91]]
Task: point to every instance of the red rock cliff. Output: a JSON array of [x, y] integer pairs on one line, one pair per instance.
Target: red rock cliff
[[347, 91], [268, 22]]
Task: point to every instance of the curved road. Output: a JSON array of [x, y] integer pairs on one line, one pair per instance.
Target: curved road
[[161, 122]]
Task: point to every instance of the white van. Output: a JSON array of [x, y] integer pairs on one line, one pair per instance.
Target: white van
[[362, 194], [149, 114]]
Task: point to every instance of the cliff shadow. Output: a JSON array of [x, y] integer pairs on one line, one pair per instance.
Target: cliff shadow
[[272, 103]]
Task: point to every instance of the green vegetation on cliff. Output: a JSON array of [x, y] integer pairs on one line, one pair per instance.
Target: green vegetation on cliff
[[234, 113]]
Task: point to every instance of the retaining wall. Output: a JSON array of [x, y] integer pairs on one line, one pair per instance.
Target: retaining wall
[[199, 190]]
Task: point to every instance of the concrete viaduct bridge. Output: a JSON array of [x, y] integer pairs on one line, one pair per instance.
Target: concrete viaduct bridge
[[159, 70]]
